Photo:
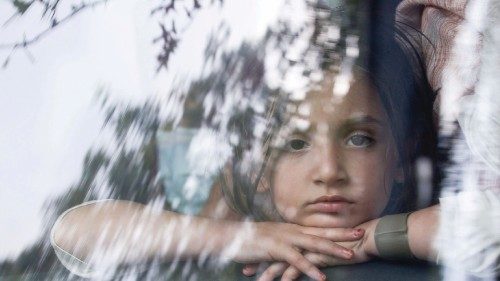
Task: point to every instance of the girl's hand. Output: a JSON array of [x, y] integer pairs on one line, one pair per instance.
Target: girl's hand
[[363, 250], [284, 242], [289, 272]]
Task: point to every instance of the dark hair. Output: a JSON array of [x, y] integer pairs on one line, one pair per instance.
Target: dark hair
[[399, 77], [396, 71]]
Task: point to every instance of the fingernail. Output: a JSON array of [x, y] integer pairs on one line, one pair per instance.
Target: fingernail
[[348, 253], [322, 276], [359, 232], [246, 271]]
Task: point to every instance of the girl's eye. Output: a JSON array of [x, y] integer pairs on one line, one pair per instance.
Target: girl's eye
[[297, 145], [360, 140]]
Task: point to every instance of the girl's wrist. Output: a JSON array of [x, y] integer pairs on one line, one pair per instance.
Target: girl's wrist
[[369, 245], [391, 237]]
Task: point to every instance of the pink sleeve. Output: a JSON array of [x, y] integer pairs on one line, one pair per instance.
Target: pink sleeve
[[438, 22]]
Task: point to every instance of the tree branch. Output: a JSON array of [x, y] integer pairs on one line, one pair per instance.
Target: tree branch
[[55, 23]]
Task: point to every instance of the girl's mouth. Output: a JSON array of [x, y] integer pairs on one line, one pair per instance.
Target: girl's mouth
[[329, 204]]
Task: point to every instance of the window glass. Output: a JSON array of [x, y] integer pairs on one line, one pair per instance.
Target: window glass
[[181, 140]]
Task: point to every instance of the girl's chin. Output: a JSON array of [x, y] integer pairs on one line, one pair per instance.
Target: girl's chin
[[329, 220]]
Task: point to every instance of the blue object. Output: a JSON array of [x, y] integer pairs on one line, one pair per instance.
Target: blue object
[[186, 190]]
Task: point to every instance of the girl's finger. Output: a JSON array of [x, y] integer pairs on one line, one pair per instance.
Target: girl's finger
[[293, 257], [250, 269], [273, 271], [335, 234], [291, 273], [325, 260], [316, 244]]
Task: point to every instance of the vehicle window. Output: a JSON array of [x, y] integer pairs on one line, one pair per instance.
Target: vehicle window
[[229, 140]]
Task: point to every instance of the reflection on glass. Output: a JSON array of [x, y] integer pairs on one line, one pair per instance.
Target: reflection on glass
[[300, 123]]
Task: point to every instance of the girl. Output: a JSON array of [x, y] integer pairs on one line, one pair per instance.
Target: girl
[[352, 161], [331, 161]]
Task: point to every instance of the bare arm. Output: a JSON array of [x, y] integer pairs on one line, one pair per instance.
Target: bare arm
[[422, 230], [111, 233], [131, 233]]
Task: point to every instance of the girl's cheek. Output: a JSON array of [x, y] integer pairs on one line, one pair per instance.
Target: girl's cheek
[[363, 166]]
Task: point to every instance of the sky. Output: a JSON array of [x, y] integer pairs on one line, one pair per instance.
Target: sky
[[48, 106]]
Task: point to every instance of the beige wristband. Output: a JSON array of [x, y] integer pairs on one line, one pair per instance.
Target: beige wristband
[[391, 237]]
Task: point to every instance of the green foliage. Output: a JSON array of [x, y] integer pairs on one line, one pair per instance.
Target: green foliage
[[121, 172]]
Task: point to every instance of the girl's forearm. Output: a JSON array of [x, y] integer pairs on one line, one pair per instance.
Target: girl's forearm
[[125, 232], [422, 229]]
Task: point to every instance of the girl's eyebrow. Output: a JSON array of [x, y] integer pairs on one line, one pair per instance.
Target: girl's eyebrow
[[344, 126], [361, 120]]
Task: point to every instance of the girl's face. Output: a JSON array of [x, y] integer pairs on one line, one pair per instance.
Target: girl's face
[[339, 171]]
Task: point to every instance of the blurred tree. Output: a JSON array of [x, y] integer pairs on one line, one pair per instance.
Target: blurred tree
[[128, 170], [57, 12]]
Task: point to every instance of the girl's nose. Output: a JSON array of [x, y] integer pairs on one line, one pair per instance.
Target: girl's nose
[[329, 169]]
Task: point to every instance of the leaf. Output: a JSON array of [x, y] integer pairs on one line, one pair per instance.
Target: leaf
[[6, 62], [174, 30], [196, 5], [21, 6]]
